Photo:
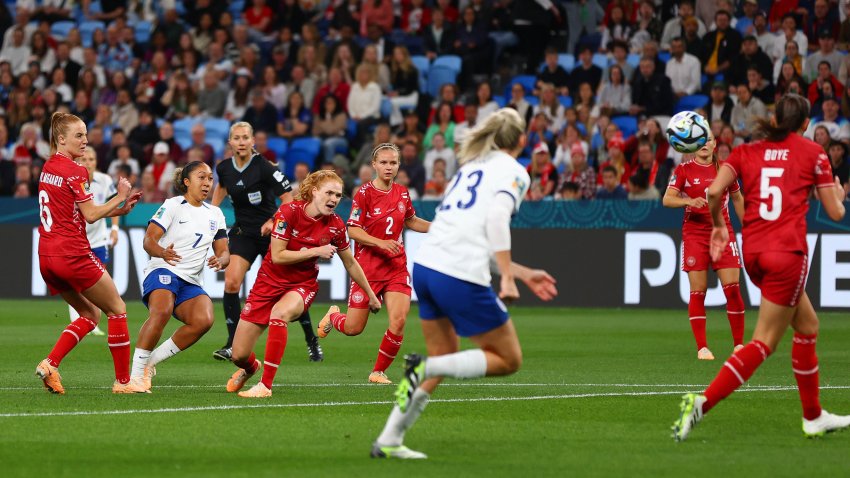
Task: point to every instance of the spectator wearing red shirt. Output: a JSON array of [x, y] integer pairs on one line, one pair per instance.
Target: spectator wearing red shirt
[[415, 16], [824, 76], [258, 17], [376, 12], [542, 172], [336, 86]]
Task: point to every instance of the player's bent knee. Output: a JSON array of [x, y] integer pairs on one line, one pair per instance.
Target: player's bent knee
[[232, 286]]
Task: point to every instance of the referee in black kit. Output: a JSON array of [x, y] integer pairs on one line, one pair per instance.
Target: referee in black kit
[[253, 185]]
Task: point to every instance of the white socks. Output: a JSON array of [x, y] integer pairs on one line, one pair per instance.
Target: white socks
[[140, 360], [164, 352], [398, 423], [467, 364]]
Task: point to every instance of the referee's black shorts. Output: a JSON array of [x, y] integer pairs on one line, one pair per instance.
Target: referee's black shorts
[[248, 244]]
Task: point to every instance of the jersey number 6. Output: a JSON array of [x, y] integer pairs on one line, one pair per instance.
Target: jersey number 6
[[44, 213], [472, 189]]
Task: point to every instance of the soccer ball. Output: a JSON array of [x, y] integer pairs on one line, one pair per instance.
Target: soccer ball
[[687, 132]]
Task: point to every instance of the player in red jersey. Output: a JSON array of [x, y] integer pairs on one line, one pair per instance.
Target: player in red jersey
[[67, 263], [379, 213], [688, 188], [777, 174], [304, 231]]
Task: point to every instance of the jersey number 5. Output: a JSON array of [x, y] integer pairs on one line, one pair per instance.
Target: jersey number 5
[[44, 211], [774, 193], [472, 189]]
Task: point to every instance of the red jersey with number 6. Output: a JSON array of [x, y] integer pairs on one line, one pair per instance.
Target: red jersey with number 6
[[382, 215], [61, 186], [693, 179], [291, 223], [777, 179]]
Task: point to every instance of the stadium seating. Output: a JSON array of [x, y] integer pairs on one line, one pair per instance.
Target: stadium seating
[[279, 146], [386, 107], [600, 60], [628, 124], [449, 61], [59, 30], [633, 60], [438, 76], [422, 65], [301, 150], [690, 102], [567, 101], [217, 128], [527, 81], [184, 125], [142, 31], [568, 61], [87, 30]]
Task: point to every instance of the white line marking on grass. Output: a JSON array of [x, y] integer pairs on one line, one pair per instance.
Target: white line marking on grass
[[381, 402]]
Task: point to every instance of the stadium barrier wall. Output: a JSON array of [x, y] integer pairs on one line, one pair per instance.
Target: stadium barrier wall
[[594, 268]]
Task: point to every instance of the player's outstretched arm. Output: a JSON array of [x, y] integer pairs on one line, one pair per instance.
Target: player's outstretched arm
[[416, 223], [95, 212], [541, 283], [151, 244], [365, 239], [359, 278], [832, 199]]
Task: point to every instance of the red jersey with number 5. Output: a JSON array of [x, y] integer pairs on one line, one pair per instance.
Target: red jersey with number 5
[[381, 214], [777, 179], [693, 179], [61, 185], [292, 224]]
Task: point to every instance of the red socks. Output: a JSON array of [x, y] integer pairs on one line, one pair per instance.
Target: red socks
[[69, 338], [338, 321], [737, 370], [735, 311], [275, 345], [119, 346], [696, 314], [252, 360], [387, 351], [804, 362]]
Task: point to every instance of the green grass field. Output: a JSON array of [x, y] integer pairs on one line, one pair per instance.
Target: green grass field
[[596, 396]]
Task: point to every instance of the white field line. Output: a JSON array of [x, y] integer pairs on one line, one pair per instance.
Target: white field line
[[381, 402]]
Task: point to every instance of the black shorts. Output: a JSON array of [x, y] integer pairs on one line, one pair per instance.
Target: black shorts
[[248, 244]]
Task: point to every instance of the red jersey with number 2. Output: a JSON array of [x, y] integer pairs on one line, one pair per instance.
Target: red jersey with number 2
[[61, 186], [693, 179], [777, 179], [382, 215], [292, 224]]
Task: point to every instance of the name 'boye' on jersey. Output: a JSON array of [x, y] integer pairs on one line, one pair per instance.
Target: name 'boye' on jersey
[[382, 215]]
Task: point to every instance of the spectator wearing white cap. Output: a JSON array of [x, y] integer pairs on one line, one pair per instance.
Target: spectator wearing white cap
[[162, 168], [544, 174]]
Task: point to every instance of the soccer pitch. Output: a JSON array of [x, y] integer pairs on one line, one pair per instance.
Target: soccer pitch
[[597, 393]]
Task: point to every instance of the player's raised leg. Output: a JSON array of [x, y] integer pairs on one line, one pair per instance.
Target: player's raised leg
[[244, 340]]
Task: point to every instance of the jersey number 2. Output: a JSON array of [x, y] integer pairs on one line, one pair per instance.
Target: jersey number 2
[[472, 189], [44, 213], [774, 193]]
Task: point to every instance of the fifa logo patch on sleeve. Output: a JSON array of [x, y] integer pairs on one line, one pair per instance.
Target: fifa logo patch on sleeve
[[281, 226], [160, 213], [86, 187], [673, 179], [520, 186], [355, 213]]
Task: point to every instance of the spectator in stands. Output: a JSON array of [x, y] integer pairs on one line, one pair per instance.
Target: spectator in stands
[[336, 86], [448, 94], [261, 144], [693, 42], [302, 83], [404, 82], [198, 134], [823, 21], [238, 97], [845, 102], [837, 152], [563, 152], [618, 27], [760, 87], [364, 101], [647, 28], [553, 73], [64, 92], [746, 111], [837, 126], [166, 135], [81, 107], [150, 192], [162, 168], [751, 57], [439, 151], [683, 69], [615, 96], [640, 188], [123, 158], [651, 91], [585, 72], [469, 122], [258, 18], [586, 108], [787, 75], [415, 17], [296, 119], [145, 133], [675, 26], [313, 67], [583, 18], [722, 45], [41, 52], [17, 53], [212, 98], [826, 52], [824, 76], [179, 98], [657, 171], [302, 170], [411, 165], [330, 126], [471, 44], [202, 34], [370, 58], [793, 56], [443, 123], [518, 102], [580, 173], [364, 156], [439, 37], [273, 88], [617, 160], [745, 23], [611, 187], [568, 191], [542, 172], [436, 186], [552, 107], [262, 115], [484, 101], [343, 58], [124, 112], [30, 147], [787, 33], [379, 13], [114, 55], [410, 129], [844, 31], [821, 136]]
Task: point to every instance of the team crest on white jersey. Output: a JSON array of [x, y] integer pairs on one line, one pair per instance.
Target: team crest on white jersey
[[213, 225]]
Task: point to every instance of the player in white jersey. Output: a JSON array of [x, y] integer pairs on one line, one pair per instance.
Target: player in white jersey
[[177, 239], [451, 276], [100, 238]]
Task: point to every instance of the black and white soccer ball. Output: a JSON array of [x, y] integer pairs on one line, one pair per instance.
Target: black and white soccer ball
[[687, 132]]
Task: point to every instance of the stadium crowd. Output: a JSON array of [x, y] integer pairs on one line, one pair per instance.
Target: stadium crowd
[[159, 84]]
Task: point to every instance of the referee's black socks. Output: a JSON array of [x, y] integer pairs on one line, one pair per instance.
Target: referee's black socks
[[232, 309]]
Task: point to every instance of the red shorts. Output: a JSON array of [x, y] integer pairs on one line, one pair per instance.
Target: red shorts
[[63, 273], [264, 296], [357, 298], [781, 276], [696, 254]]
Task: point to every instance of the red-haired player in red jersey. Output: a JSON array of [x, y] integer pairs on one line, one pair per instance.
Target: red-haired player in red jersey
[[67, 263], [688, 186], [304, 231], [379, 213], [777, 174]]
